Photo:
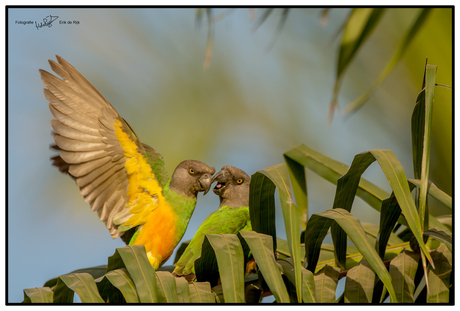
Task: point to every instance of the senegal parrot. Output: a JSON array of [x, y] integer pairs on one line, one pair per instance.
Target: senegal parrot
[[124, 181], [232, 216]]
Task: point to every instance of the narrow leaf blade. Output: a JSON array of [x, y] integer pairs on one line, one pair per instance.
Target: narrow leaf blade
[[83, 284], [38, 295], [134, 258], [326, 283], [410, 35], [229, 254], [397, 178], [120, 279], [402, 271], [439, 278], [355, 231], [359, 285], [200, 292], [262, 248], [279, 175]]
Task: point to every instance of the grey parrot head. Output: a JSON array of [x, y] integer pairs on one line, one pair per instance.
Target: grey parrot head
[[191, 177], [232, 186]]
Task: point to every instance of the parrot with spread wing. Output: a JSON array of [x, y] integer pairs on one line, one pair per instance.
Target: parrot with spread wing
[[123, 180], [232, 216]]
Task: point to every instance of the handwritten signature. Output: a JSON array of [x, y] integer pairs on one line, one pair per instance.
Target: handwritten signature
[[47, 21]]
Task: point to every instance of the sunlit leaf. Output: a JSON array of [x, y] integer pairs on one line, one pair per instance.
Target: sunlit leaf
[[354, 230], [134, 259], [229, 254], [279, 175], [95, 272], [326, 283], [166, 287], [38, 295], [402, 271], [183, 291], [81, 283], [424, 127], [262, 248], [359, 285], [200, 292], [120, 280], [397, 178], [439, 278]]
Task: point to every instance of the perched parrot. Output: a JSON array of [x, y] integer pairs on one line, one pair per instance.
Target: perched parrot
[[124, 181], [232, 216]]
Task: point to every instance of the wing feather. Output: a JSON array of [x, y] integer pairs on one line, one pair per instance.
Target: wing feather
[[72, 133], [70, 122], [72, 157], [82, 169], [70, 144], [96, 145], [107, 168], [95, 189], [102, 198]]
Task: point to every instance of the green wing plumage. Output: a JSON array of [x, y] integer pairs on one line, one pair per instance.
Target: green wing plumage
[[158, 165]]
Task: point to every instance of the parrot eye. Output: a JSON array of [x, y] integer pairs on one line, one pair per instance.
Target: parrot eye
[[239, 181], [192, 171]]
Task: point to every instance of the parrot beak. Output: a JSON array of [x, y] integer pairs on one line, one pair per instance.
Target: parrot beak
[[205, 182], [214, 178], [221, 179]]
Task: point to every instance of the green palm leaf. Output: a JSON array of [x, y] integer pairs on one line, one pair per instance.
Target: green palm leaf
[[403, 46], [262, 248], [200, 292], [355, 231], [120, 280], [134, 259], [229, 254], [326, 283], [81, 283], [402, 271], [439, 280], [166, 286], [279, 175], [38, 295], [359, 285]]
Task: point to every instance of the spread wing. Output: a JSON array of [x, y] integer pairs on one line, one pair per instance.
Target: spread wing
[[101, 151]]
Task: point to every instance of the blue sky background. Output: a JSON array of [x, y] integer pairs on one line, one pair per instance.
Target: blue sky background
[[252, 104]]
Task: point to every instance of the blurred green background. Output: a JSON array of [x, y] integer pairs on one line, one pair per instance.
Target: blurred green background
[[262, 94]]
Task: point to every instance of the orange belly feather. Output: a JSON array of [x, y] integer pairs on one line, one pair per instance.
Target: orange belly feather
[[158, 235]]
